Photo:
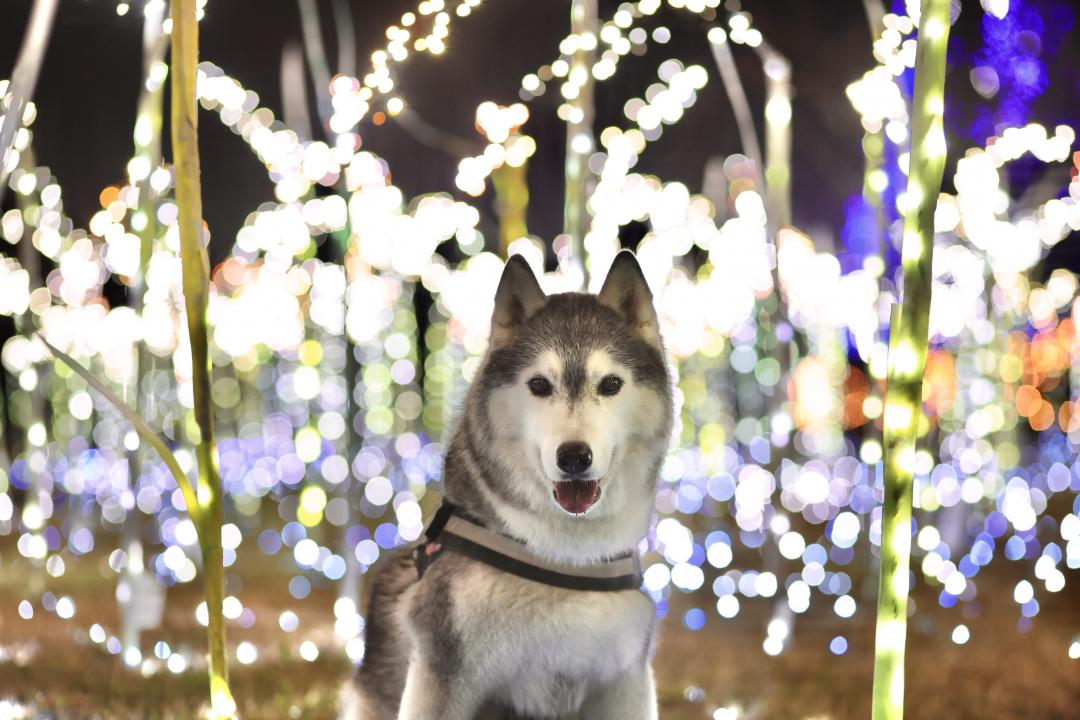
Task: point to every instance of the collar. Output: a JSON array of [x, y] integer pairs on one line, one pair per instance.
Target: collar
[[452, 530]]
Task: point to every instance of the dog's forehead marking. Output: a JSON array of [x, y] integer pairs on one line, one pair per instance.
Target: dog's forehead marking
[[549, 363], [575, 377], [600, 363]]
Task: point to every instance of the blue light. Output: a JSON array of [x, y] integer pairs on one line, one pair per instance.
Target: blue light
[[18, 473], [717, 536], [752, 539], [815, 553], [982, 551], [723, 585], [760, 450], [1013, 48], [842, 556], [688, 498], [996, 524], [335, 568], [52, 538], [386, 536], [1015, 548], [839, 583], [293, 533], [838, 645], [81, 541], [661, 609], [355, 534], [697, 555], [721, 487], [694, 619], [862, 499], [1058, 478], [269, 542], [859, 233], [299, 587]]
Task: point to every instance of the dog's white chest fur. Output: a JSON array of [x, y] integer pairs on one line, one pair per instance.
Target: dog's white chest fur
[[544, 649]]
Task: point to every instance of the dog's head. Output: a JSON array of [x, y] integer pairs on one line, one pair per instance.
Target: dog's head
[[575, 396]]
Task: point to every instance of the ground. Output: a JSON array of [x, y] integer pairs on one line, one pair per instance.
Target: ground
[[999, 674]]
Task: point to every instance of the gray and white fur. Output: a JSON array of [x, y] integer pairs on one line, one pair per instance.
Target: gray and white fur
[[468, 641]]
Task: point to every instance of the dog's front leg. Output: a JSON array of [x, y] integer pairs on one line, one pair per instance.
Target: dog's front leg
[[631, 696], [432, 694]]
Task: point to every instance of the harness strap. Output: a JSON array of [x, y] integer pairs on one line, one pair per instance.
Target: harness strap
[[451, 530]]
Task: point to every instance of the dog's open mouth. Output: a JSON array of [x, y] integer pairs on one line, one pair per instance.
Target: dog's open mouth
[[576, 496]]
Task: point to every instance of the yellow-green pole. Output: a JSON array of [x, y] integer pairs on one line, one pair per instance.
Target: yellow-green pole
[[195, 267], [511, 204], [907, 357]]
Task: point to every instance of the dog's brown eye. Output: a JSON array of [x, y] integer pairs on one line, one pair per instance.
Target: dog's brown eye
[[540, 386], [611, 385]]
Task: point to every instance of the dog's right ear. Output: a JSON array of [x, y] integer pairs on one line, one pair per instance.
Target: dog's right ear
[[519, 296], [626, 291]]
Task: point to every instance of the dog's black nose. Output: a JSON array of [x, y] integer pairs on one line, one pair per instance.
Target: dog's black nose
[[573, 458]]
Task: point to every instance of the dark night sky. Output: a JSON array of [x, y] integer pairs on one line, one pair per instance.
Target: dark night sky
[[87, 91]]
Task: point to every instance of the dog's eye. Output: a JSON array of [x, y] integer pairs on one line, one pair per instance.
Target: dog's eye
[[610, 385], [540, 386]]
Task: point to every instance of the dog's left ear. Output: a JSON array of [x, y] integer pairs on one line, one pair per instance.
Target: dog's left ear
[[626, 292], [518, 297]]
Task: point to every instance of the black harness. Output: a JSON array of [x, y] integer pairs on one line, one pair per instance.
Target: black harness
[[452, 530]]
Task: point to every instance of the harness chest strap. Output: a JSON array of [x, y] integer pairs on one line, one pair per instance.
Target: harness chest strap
[[450, 530]]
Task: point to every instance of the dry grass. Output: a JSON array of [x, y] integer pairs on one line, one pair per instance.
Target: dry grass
[[1000, 674]]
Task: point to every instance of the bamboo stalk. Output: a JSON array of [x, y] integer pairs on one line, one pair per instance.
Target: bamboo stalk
[[24, 80], [294, 98], [345, 29], [316, 60], [907, 357], [740, 106], [579, 136], [196, 281], [30, 259], [777, 137], [147, 433], [147, 137]]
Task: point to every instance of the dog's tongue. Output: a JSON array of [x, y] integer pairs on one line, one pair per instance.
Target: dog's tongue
[[576, 496]]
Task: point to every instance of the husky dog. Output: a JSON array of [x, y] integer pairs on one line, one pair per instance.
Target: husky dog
[[557, 455]]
